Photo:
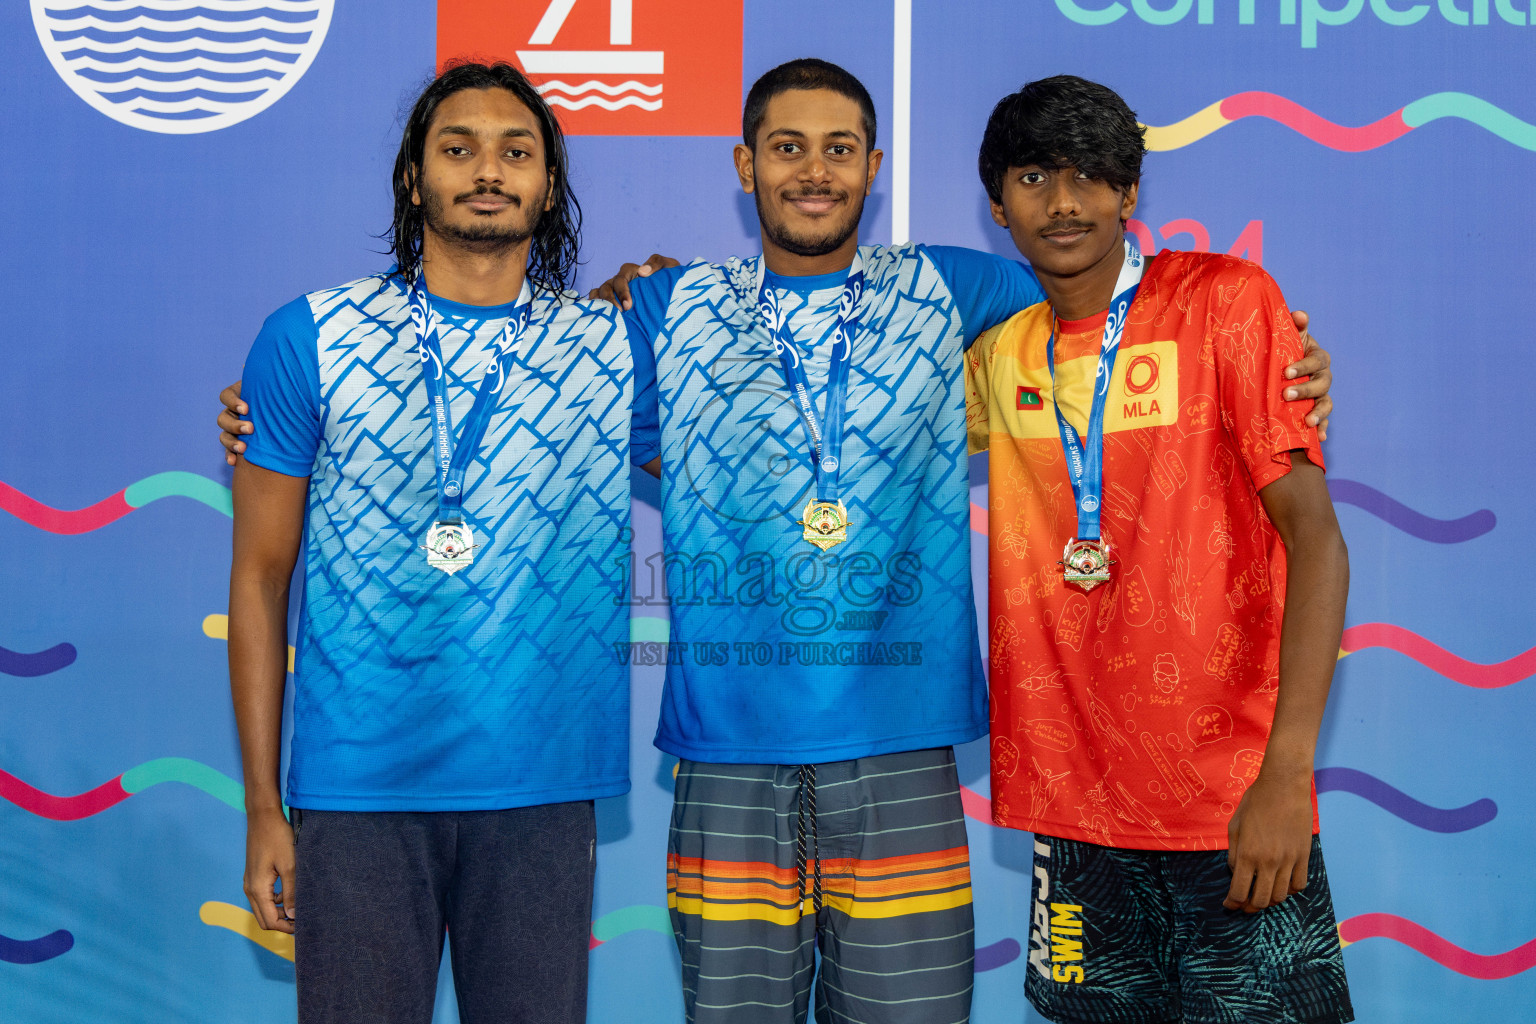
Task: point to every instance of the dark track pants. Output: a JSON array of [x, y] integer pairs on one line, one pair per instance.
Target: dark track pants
[[375, 891]]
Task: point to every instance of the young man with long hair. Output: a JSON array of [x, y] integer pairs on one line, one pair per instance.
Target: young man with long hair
[[456, 708]]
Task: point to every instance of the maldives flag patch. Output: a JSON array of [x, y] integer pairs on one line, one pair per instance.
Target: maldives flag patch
[[1029, 398]]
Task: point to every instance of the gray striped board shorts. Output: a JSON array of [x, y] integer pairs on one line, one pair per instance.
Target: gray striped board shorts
[[852, 877]]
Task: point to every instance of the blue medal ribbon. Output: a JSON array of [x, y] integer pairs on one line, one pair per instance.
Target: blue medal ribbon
[[1085, 456], [452, 458], [826, 432]]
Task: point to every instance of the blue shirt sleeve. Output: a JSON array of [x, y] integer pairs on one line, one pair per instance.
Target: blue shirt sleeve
[[644, 321], [987, 289], [281, 384]]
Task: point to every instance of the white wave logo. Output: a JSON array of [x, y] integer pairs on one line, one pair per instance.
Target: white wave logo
[[181, 67], [574, 97]]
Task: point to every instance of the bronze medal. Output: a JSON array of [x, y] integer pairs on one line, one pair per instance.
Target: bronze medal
[[1085, 563]]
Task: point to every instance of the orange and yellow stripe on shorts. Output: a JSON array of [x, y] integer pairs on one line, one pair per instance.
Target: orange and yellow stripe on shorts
[[876, 888]]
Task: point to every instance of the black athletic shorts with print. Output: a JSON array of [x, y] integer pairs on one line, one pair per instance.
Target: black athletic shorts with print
[[1140, 937]]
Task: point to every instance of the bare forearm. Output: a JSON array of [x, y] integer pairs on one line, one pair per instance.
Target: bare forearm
[[1270, 832], [1317, 587], [269, 522], [258, 663]]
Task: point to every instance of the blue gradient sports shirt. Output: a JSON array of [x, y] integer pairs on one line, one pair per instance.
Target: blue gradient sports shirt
[[495, 687], [781, 653]]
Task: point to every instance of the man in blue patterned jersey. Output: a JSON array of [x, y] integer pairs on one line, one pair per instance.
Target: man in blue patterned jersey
[[446, 446], [807, 411]]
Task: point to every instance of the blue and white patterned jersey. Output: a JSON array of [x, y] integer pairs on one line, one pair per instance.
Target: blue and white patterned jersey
[[495, 687], [782, 653]]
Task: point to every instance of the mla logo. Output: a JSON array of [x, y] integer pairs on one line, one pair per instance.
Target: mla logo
[[1141, 375], [1150, 385], [181, 67], [613, 67]]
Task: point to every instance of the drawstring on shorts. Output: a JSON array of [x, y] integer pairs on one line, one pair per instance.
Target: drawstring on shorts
[[807, 808]]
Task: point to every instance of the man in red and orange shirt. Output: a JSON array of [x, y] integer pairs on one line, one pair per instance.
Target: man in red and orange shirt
[[1167, 594]]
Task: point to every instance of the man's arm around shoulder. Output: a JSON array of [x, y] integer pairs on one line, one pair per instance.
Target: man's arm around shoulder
[[269, 522], [1271, 832]]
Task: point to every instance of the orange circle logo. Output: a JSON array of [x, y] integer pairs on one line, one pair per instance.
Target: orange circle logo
[[1141, 375]]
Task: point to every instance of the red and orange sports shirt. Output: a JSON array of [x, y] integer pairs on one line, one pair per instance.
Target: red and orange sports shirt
[[1136, 715]]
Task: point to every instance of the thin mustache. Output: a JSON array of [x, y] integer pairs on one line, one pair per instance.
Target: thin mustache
[[487, 191]]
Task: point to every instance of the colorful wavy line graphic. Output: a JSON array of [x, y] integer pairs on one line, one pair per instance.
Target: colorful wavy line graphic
[[979, 519], [1342, 137], [1383, 506], [1438, 659], [1343, 780], [1416, 524], [61, 808], [638, 918], [35, 951], [243, 923], [1484, 967], [642, 629], [998, 954], [975, 805], [175, 484], [1395, 801], [649, 629], [27, 666], [114, 791]]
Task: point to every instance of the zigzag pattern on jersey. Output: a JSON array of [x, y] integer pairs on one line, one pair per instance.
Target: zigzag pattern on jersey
[[740, 471], [548, 496]]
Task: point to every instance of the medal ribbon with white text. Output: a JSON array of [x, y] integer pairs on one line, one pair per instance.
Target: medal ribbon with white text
[[453, 458], [826, 433], [1085, 455]]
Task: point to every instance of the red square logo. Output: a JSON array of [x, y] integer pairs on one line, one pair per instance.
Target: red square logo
[[1029, 398], [612, 67]]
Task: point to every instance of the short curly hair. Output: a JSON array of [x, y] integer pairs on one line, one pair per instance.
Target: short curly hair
[[1058, 122]]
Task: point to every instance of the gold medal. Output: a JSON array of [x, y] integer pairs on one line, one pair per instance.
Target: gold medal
[[1085, 563], [826, 523]]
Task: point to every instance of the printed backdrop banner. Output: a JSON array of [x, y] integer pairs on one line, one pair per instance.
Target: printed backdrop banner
[[177, 170]]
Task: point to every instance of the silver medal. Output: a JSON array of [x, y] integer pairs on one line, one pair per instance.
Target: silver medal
[[450, 546]]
